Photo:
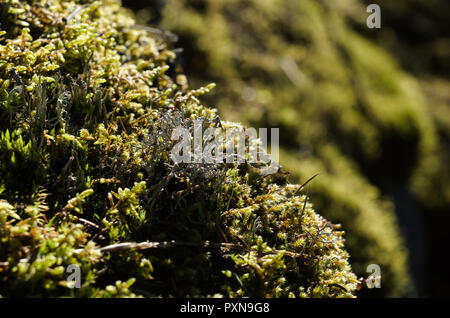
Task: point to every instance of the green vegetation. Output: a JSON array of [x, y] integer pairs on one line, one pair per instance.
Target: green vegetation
[[342, 103], [346, 107], [88, 102], [416, 32]]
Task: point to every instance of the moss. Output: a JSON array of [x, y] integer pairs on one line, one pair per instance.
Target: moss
[[342, 104], [87, 104]]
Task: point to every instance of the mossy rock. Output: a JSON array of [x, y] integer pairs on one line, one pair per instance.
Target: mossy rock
[[88, 101]]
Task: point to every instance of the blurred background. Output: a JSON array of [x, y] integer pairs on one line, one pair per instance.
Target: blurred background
[[367, 108]]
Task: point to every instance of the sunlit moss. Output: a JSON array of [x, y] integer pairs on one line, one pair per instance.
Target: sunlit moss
[[343, 105], [88, 102]]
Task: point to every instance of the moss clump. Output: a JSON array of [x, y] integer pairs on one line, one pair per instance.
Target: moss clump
[[87, 104], [342, 104]]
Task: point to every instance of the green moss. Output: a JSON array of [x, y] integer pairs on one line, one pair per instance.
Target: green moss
[[87, 105], [342, 104]]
